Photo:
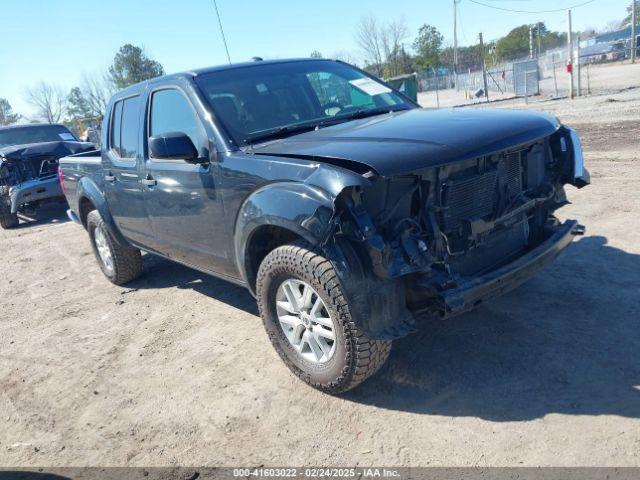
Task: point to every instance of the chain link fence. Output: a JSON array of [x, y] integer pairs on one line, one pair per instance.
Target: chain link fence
[[597, 68]]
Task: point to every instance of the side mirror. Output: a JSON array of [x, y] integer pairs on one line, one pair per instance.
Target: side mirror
[[173, 146]]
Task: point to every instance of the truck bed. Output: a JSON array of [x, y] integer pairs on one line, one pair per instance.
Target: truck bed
[[74, 168]]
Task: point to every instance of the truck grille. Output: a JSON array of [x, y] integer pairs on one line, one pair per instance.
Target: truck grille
[[43, 167]]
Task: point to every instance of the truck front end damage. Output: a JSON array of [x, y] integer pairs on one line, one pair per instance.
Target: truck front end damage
[[443, 239], [29, 173], [24, 185]]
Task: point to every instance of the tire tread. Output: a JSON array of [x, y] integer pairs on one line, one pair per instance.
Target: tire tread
[[370, 355], [127, 260]]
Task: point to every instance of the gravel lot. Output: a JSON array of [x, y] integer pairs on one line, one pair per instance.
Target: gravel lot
[[177, 370]]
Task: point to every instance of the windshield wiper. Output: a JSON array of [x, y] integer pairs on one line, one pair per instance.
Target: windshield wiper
[[362, 113], [281, 131], [306, 127]]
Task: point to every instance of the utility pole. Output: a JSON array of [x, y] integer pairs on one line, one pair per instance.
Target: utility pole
[[484, 69], [634, 41], [224, 40], [570, 52], [538, 35], [530, 41], [455, 42]]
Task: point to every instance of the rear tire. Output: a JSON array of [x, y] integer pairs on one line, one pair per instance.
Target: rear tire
[[7, 219], [120, 264], [350, 357]]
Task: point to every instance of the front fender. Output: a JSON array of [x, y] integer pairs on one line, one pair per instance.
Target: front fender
[[301, 208], [88, 189]]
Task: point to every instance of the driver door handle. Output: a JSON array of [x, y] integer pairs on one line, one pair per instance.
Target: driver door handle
[[148, 181]]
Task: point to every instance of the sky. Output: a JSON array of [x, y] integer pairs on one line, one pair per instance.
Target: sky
[[60, 41]]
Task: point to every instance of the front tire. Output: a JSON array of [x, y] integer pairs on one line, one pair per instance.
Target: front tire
[[306, 316], [9, 220], [120, 264]]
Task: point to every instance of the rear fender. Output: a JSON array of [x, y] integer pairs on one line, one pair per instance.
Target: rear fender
[[88, 189]]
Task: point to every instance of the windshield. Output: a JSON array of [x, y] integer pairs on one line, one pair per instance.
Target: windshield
[[34, 134], [259, 101]]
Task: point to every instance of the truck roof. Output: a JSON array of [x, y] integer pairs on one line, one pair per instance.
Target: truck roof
[[218, 68]]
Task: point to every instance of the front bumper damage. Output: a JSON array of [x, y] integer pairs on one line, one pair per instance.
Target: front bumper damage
[[446, 239], [34, 191], [469, 293], [28, 173]]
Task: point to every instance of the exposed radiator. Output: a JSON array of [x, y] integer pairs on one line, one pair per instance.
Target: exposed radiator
[[469, 198], [513, 167], [476, 196]]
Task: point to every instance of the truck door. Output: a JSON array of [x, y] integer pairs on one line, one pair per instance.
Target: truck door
[[182, 199], [121, 162]]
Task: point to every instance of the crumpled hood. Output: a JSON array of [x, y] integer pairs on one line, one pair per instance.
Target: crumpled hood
[[406, 141], [57, 149]]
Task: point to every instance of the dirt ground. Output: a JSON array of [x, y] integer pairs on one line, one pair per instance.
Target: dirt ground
[[176, 369]]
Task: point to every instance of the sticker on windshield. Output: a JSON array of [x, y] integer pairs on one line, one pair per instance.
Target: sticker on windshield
[[369, 86], [66, 136]]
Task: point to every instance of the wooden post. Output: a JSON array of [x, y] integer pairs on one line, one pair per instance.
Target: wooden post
[[634, 42], [435, 77], [570, 54], [578, 65], [484, 69]]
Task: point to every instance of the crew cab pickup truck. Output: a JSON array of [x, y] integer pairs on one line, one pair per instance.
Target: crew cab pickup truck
[[339, 203], [29, 164]]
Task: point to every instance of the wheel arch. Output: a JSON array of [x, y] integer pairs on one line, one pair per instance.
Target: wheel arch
[[263, 240], [276, 214], [90, 197], [85, 205]]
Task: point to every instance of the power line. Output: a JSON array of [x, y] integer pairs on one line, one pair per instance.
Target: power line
[[532, 11], [462, 25], [224, 40]]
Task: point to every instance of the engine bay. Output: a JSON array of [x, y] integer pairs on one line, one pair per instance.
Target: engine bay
[[442, 225]]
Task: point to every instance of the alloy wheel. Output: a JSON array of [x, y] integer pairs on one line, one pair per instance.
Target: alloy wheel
[[104, 251], [305, 321]]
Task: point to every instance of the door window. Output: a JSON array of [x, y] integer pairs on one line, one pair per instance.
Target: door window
[[171, 112], [124, 127]]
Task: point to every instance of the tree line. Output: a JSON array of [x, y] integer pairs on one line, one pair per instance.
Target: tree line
[[388, 51], [52, 104]]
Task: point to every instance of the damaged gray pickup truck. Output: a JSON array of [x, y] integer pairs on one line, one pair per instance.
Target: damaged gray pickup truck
[[29, 166], [339, 203]]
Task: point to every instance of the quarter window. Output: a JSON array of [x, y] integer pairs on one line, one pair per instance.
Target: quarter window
[[171, 112]]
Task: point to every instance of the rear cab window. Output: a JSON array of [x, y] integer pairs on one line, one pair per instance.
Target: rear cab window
[[123, 134]]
